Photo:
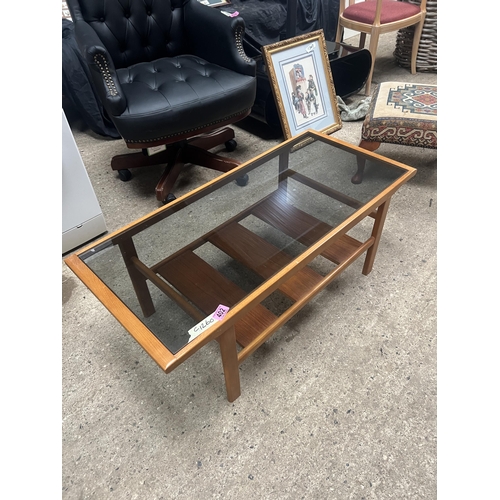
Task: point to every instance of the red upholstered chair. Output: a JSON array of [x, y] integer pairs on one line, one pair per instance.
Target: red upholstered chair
[[375, 17]]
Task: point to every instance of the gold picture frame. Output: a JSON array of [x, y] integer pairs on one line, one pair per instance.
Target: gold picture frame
[[302, 84]]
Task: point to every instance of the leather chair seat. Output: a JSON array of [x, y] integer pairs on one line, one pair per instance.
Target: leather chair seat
[[175, 95]]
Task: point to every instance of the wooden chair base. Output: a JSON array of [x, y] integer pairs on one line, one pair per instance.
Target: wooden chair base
[[190, 151]]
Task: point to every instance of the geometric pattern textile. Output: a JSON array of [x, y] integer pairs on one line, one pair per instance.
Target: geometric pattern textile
[[402, 113]]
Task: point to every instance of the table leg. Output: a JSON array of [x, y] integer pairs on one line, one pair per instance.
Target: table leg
[[139, 282], [229, 355], [376, 233], [284, 160]]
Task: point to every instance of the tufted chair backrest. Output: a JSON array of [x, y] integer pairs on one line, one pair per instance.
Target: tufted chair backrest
[[134, 31]]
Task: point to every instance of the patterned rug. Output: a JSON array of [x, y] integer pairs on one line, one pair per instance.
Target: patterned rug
[[403, 113]]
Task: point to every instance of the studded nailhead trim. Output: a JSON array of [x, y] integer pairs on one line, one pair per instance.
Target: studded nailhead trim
[[100, 60], [239, 44], [131, 141]]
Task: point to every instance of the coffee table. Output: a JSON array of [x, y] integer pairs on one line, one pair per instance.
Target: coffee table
[[233, 263]]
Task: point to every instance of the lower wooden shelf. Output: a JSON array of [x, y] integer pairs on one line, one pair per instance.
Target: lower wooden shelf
[[206, 288]]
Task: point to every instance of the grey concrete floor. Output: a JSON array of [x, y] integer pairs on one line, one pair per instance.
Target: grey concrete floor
[[339, 404]]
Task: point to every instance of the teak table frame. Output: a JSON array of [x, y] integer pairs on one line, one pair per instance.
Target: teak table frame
[[197, 288]]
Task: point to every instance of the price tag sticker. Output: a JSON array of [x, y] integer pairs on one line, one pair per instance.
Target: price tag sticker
[[220, 312], [206, 323], [156, 149]]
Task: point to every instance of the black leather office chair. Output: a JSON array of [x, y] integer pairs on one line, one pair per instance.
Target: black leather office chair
[[168, 72]]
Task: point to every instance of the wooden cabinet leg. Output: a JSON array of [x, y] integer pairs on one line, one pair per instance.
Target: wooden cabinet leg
[[376, 234], [229, 355]]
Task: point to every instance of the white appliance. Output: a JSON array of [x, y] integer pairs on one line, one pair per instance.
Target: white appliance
[[82, 218]]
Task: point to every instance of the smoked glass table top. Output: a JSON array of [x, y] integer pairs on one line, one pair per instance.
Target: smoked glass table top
[[224, 241]]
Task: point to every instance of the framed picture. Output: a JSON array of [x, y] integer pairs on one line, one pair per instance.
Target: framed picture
[[301, 80]]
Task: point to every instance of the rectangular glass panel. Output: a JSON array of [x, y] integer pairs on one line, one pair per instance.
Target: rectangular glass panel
[[230, 238]]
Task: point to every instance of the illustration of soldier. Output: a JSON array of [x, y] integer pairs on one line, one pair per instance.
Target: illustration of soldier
[[311, 96], [300, 101], [297, 79]]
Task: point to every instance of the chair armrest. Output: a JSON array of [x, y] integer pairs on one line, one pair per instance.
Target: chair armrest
[[217, 38], [101, 68]]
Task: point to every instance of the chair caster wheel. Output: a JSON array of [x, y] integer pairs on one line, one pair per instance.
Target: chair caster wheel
[[243, 180], [124, 175], [170, 197], [231, 145]]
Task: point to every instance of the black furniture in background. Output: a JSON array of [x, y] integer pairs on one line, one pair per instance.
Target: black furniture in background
[[79, 97], [171, 75], [269, 21]]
